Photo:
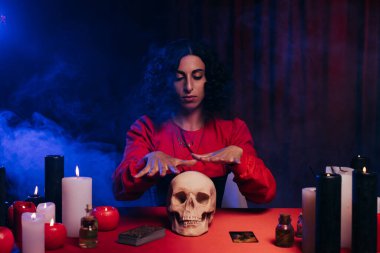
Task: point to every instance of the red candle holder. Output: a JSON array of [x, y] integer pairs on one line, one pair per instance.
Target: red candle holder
[[107, 216], [55, 235], [20, 207]]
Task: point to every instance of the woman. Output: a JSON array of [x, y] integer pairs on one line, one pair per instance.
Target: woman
[[186, 91]]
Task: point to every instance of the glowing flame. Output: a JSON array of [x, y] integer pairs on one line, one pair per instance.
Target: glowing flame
[[106, 209], [33, 216], [328, 174], [364, 169], [77, 171], [51, 222], [45, 205], [36, 190]]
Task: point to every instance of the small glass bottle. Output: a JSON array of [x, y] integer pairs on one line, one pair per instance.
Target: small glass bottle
[[299, 226], [284, 231], [88, 232]]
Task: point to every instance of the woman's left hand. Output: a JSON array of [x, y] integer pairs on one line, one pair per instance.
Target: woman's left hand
[[228, 155]]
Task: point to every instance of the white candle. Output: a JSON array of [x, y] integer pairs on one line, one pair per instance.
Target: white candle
[[346, 206], [33, 233], [47, 210], [308, 213], [76, 194]]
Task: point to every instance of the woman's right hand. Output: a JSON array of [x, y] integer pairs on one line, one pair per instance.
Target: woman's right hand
[[159, 162]]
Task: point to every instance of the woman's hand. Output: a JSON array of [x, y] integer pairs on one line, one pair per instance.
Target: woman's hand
[[228, 155], [159, 162]]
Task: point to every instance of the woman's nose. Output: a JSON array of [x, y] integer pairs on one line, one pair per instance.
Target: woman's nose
[[188, 87]]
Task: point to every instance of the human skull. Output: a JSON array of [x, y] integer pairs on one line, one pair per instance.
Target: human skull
[[191, 203]]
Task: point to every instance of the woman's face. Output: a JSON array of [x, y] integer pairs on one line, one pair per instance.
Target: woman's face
[[190, 82]]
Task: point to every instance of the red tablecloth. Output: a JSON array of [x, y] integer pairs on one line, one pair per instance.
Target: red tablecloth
[[261, 221]]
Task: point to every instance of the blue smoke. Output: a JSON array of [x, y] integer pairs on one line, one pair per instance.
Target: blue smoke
[[24, 145]]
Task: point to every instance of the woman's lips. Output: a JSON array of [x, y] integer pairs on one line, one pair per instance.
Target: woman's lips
[[189, 99]]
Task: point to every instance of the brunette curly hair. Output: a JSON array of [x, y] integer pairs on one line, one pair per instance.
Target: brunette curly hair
[[159, 91]]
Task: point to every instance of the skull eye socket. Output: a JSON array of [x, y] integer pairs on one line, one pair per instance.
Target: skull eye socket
[[179, 197], [202, 198]]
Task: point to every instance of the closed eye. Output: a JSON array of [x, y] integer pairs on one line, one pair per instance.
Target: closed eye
[[197, 77], [198, 74], [179, 77]]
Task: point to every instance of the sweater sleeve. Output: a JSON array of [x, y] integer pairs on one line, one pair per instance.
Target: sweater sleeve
[[254, 179], [138, 144]]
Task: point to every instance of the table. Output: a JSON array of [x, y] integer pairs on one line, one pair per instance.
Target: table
[[261, 221]]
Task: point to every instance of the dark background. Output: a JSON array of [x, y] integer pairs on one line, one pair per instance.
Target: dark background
[[306, 77]]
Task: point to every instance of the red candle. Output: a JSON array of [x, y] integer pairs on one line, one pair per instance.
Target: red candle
[[20, 207], [55, 235], [6, 240], [107, 216], [378, 232]]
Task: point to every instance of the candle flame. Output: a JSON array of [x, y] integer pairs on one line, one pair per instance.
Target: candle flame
[[106, 209], [77, 171], [36, 190], [364, 169], [328, 174], [33, 216], [51, 222]]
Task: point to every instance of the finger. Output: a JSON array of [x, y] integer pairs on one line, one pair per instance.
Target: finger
[[163, 169], [202, 159], [213, 159], [187, 162], [173, 169], [217, 159], [152, 172], [153, 169], [199, 156], [230, 160], [142, 172]]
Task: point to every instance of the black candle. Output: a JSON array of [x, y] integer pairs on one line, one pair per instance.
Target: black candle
[[359, 162], [35, 197], [3, 196], [364, 211], [328, 212], [54, 171]]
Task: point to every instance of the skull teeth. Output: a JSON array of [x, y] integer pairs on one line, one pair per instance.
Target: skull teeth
[[191, 218], [190, 222]]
